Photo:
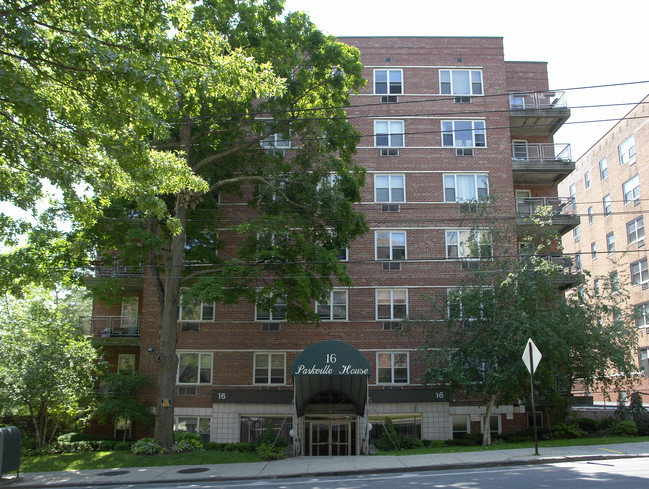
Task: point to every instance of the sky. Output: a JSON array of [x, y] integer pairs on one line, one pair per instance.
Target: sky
[[585, 43]]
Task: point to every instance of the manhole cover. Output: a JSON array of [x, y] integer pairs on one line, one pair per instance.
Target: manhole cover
[[114, 472], [194, 470]]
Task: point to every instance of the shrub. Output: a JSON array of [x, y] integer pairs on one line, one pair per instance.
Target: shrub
[[567, 430], [183, 446], [68, 447], [642, 422], [214, 446], [147, 446], [74, 436], [588, 425], [269, 451], [106, 445], [435, 443], [240, 447], [124, 445], [516, 436], [467, 440], [626, 428], [187, 436]]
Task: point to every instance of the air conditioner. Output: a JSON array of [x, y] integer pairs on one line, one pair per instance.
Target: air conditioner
[[389, 151], [391, 325], [641, 243], [190, 326], [636, 202], [187, 390], [463, 151], [270, 326], [462, 100], [470, 264], [389, 99], [390, 207], [391, 265], [645, 286]]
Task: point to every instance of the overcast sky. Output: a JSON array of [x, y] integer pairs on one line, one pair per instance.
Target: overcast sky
[[586, 43]]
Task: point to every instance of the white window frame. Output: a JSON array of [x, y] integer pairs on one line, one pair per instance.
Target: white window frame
[[593, 251], [203, 307], [205, 435], [128, 358], [626, 150], [392, 247], [332, 304], [575, 234], [500, 424], [449, 86], [606, 203], [459, 417], [201, 355], [610, 243], [478, 178], [587, 180], [642, 315], [130, 312], [462, 239], [393, 367], [591, 215], [391, 296], [275, 140], [603, 169], [269, 368], [392, 186], [458, 301], [450, 131], [642, 272], [395, 135], [635, 230], [278, 309], [388, 81], [631, 189]]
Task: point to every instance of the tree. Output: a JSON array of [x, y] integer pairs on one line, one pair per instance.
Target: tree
[[47, 369], [477, 334], [237, 84]]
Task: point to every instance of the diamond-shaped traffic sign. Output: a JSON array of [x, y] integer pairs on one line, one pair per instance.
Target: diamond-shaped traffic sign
[[531, 356]]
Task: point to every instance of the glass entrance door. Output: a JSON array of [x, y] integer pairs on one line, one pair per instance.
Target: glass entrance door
[[327, 437]]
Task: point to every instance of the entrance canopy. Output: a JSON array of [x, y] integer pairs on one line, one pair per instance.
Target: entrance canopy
[[330, 377]]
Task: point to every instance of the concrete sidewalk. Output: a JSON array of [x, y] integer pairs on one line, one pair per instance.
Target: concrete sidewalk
[[324, 466]]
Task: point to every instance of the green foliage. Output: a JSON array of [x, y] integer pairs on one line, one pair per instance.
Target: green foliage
[[214, 446], [268, 451], [183, 446], [241, 447], [194, 439], [467, 440], [124, 445], [588, 425], [76, 436], [147, 446], [69, 447], [626, 428], [568, 430]]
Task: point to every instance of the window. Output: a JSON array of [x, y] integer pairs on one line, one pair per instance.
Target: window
[[390, 245], [392, 368], [256, 428], [269, 368], [596, 286], [463, 134], [578, 261], [635, 230], [126, 363], [196, 311], [606, 201], [462, 303], [389, 188], [642, 315], [590, 215], [391, 304], [276, 313], [643, 357], [593, 251], [575, 234], [388, 134], [627, 151], [335, 309], [603, 169], [276, 140], [343, 254], [587, 180], [460, 82], [194, 368], [573, 192], [194, 425], [610, 243], [520, 150], [494, 424], [614, 281], [631, 190], [460, 425], [639, 272], [464, 187], [468, 244], [388, 82]]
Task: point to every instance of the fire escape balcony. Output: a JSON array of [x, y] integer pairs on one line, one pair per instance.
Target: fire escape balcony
[[537, 113], [541, 163], [568, 274], [561, 210], [112, 330], [130, 278]]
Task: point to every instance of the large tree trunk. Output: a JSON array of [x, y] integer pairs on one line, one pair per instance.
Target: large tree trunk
[[486, 432]]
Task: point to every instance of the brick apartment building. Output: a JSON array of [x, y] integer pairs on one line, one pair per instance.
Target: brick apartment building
[[609, 183], [442, 120]]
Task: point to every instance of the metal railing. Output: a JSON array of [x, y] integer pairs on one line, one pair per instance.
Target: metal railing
[[538, 100], [564, 263], [541, 151], [529, 206], [110, 326], [119, 271]]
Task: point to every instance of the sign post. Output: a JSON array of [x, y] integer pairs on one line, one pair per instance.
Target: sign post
[[531, 357]]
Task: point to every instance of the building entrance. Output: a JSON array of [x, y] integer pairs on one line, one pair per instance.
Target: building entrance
[[328, 436]]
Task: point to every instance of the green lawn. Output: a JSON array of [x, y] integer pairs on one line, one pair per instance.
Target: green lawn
[[123, 458]]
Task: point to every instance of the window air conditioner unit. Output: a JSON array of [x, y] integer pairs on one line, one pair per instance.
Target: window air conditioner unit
[[463, 151], [645, 286], [270, 326], [390, 208], [389, 151], [641, 243], [190, 326], [462, 100], [389, 99], [470, 264], [391, 325], [636, 202], [187, 390], [391, 265]]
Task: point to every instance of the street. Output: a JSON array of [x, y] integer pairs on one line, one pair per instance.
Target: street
[[609, 474]]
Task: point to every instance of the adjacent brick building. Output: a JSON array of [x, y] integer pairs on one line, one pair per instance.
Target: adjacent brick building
[[610, 184], [443, 120]]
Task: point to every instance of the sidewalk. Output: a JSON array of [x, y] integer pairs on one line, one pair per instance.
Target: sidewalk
[[324, 466]]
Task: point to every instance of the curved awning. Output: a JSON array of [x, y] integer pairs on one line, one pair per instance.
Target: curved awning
[[333, 376]]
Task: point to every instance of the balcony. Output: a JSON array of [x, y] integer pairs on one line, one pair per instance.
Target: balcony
[[562, 211], [130, 278], [541, 163], [568, 274], [107, 330], [537, 113]]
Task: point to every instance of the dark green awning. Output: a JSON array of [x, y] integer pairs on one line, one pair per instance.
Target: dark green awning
[[330, 377]]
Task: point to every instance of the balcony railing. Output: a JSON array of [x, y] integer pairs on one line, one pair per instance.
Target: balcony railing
[[537, 100], [541, 152], [564, 263], [111, 326], [529, 206], [119, 271]]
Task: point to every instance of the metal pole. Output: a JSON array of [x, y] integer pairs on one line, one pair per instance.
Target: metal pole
[[536, 438]]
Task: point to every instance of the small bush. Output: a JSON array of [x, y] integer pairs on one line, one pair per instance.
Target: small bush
[[241, 447], [435, 443], [567, 431], [187, 436], [516, 436], [147, 446], [68, 447], [183, 446], [467, 440], [106, 445], [123, 445], [642, 422], [268, 451], [74, 436], [588, 425], [214, 446], [626, 428]]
